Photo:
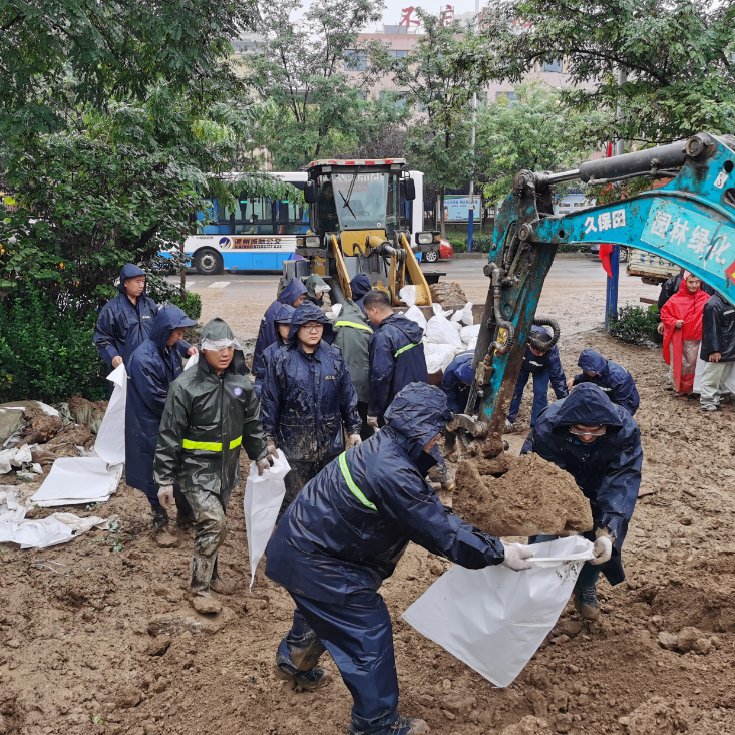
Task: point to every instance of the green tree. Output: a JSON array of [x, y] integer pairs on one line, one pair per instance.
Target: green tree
[[309, 104], [437, 78], [678, 55]]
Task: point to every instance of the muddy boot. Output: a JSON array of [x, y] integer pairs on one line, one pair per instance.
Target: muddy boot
[[222, 586], [402, 726], [184, 516], [585, 601], [302, 679], [201, 578], [161, 534]]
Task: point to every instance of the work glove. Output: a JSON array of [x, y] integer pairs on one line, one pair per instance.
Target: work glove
[[372, 422], [166, 495], [602, 550], [263, 464], [516, 555], [353, 440]]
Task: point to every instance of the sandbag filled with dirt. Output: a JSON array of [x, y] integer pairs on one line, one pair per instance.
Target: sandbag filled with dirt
[[533, 496], [449, 293]]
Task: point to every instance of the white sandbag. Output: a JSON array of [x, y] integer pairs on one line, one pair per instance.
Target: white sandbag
[[334, 312], [463, 316], [78, 480], [440, 331], [494, 619], [15, 457], [192, 361], [469, 333], [408, 295], [263, 497], [110, 442], [438, 357]]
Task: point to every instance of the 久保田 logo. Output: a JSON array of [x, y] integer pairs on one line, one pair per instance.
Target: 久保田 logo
[[225, 242]]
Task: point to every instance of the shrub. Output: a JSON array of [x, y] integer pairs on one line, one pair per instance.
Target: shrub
[[636, 325]]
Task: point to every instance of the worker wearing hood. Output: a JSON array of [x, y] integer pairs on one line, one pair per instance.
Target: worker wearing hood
[[282, 320], [359, 286], [308, 400], [599, 444], [151, 368], [614, 379], [210, 412], [343, 537], [316, 287], [126, 320]]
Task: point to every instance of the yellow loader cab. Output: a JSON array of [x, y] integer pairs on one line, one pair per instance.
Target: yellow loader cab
[[360, 223]]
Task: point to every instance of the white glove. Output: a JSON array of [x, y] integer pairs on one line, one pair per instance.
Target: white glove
[[516, 555], [353, 440], [263, 464], [166, 495], [372, 422], [602, 550]]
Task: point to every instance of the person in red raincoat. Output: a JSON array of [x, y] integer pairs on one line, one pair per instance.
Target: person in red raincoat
[[681, 316]]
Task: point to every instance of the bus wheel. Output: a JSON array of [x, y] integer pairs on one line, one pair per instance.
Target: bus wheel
[[208, 262]]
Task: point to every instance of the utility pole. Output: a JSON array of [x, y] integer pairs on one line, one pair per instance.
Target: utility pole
[[471, 209]]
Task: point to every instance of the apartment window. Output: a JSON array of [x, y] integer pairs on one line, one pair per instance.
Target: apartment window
[[355, 59], [553, 66]]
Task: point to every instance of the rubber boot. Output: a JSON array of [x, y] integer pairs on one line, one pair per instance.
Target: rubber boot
[[201, 577], [304, 677], [585, 602], [219, 585], [161, 534], [184, 516]]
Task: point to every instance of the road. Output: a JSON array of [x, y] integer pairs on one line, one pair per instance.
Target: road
[[574, 293]]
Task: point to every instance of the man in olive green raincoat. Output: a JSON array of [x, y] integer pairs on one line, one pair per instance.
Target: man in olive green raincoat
[[211, 410]]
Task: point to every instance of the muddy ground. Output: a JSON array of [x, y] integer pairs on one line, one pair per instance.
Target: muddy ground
[[76, 656]]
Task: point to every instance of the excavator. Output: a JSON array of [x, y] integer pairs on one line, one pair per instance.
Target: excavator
[[690, 222], [360, 222]]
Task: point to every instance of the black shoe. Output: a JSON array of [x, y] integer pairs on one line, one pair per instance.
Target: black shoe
[[402, 726]]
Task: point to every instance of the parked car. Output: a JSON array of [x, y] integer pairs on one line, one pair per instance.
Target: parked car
[[623, 257], [439, 250]]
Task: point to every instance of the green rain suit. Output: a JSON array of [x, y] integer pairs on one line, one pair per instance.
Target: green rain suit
[[206, 418]]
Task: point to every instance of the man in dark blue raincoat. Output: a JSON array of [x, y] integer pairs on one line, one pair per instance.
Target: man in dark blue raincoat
[[308, 400], [282, 320], [151, 368], [545, 367], [360, 285], [293, 294], [345, 534], [599, 444], [457, 380], [614, 379], [126, 320], [396, 354]]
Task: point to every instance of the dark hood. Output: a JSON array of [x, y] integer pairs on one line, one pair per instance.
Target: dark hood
[[129, 270], [592, 361], [417, 414], [169, 317], [291, 291], [308, 312], [464, 372], [311, 283], [410, 328], [283, 313], [589, 405], [359, 286], [219, 329]]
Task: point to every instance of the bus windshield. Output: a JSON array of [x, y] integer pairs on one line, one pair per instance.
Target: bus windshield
[[361, 200]]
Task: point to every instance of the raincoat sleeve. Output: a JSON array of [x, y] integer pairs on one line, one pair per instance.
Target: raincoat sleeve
[[270, 399], [556, 374], [710, 332], [435, 528], [382, 366], [348, 400], [151, 388], [668, 316], [615, 499], [171, 432], [183, 347], [253, 438], [104, 335]]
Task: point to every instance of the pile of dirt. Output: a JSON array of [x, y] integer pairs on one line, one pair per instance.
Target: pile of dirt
[[87, 413], [532, 496], [39, 427], [448, 293]]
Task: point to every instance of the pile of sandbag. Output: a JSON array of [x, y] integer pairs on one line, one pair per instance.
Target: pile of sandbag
[[446, 333]]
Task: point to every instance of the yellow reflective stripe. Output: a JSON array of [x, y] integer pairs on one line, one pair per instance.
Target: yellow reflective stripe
[[351, 483], [209, 446], [407, 347], [356, 325]]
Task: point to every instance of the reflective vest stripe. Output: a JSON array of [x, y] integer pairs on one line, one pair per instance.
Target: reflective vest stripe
[[404, 349], [351, 483], [355, 325], [209, 446]]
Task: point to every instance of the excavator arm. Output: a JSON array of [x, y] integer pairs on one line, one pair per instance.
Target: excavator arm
[[690, 221]]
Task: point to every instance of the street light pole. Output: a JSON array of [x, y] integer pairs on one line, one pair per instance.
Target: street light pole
[[471, 209]]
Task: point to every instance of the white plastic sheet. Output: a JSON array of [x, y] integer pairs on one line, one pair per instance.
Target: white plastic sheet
[[15, 457], [470, 333], [263, 498], [494, 619], [408, 295], [110, 442], [77, 480]]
